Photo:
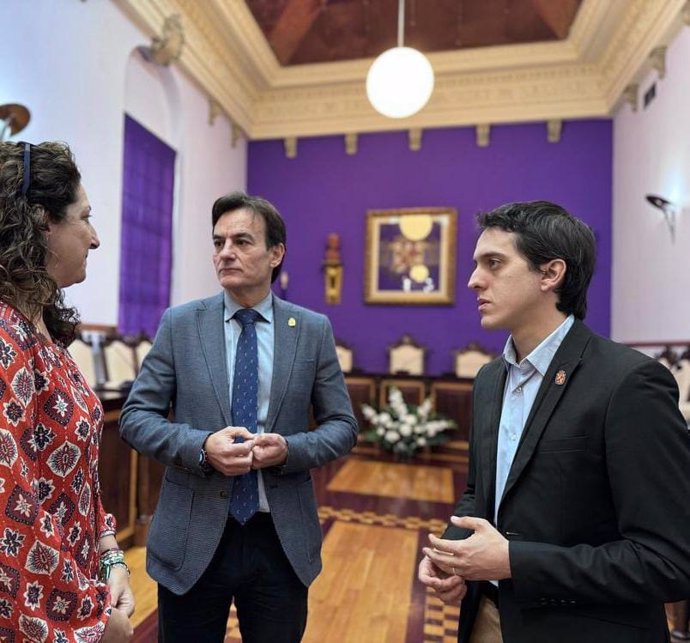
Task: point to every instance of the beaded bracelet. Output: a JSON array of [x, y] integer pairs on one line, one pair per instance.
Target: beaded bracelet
[[109, 559]]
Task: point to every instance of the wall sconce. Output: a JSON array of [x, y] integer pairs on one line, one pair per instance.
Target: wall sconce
[[332, 269], [13, 119], [669, 209]]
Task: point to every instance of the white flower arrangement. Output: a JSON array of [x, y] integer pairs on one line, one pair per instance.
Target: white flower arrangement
[[404, 428]]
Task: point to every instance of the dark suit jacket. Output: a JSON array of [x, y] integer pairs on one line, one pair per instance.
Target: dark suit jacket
[[597, 502], [186, 369]]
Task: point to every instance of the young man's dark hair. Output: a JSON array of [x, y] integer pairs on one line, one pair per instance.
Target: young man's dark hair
[[545, 231]]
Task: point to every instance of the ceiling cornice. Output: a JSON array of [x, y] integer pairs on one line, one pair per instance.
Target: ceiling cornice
[[583, 76]]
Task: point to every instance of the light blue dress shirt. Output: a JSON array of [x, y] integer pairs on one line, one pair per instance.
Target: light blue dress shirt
[[265, 334], [522, 384]]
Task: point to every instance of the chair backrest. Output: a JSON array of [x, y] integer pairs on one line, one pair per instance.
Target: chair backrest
[[82, 353], [470, 359], [345, 356], [681, 371], [667, 357], [141, 349], [120, 362], [406, 356]]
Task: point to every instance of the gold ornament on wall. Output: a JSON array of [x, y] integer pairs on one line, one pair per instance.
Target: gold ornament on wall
[[332, 269]]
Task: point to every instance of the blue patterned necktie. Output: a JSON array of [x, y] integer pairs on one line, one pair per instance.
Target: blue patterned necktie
[[245, 385]]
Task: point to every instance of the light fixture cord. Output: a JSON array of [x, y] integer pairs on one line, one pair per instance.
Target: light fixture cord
[[401, 22]]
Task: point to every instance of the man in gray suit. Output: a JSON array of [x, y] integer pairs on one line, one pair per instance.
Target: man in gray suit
[[223, 400]]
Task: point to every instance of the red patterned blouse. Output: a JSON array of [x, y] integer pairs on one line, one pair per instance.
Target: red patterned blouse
[[51, 516]]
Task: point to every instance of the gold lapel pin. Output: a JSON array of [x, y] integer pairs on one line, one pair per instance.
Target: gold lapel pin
[[560, 378], [292, 322]]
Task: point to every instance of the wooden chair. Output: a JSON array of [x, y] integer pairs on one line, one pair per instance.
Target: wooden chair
[[413, 389], [681, 371], [406, 356], [83, 354], [454, 399], [345, 356], [667, 357], [362, 390], [141, 349], [120, 362], [468, 360]]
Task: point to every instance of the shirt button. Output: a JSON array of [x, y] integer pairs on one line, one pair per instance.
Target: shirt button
[[513, 437], [518, 389]]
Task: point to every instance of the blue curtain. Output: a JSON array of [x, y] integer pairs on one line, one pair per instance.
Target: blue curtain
[[146, 241]]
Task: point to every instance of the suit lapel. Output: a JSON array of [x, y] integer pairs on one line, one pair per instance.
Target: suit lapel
[[565, 362], [287, 330], [210, 324], [492, 401]]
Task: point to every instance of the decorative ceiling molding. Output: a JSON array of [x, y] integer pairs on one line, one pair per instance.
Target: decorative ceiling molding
[[166, 48], [553, 130], [658, 60], [482, 134], [227, 55], [414, 139]]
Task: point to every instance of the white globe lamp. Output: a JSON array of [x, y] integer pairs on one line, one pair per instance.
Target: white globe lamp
[[400, 82], [401, 79]]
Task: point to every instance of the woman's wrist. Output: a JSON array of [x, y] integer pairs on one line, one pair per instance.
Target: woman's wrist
[[108, 559]]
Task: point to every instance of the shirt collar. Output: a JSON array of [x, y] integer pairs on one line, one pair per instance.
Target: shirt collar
[[540, 358], [264, 307]]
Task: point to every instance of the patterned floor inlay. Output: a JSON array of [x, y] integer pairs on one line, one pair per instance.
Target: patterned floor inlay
[[440, 621], [385, 520]]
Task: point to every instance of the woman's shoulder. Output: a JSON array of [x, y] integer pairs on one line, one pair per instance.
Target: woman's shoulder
[[17, 334]]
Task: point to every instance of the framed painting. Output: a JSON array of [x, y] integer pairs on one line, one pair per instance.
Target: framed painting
[[410, 256]]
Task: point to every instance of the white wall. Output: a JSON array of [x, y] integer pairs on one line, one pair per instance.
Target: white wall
[[72, 64], [651, 154]]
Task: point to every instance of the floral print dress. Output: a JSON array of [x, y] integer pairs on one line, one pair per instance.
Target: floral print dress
[[51, 516]]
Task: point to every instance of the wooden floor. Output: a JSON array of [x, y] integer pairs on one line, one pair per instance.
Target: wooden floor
[[375, 514]]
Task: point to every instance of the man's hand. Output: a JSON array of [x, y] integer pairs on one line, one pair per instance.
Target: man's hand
[[121, 595], [228, 456], [118, 629], [270, 450], [451, 589], [482, 556]]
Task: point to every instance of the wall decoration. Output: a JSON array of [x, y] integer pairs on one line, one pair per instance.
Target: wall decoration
[[410, 256], [332, 269]]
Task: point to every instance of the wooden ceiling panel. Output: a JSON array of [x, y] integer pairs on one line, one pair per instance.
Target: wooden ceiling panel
[[316, 31], [337, 34], [266, 13]]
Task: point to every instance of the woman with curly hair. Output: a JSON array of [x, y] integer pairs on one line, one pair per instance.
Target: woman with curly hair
[[62, 576]]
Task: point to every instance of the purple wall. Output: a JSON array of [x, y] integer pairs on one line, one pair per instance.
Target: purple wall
[[324, 190]]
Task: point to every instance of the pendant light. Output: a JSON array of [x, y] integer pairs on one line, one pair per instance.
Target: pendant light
[[401, 79]]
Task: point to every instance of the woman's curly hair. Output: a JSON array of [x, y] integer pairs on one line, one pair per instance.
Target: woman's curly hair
[[24, 280]]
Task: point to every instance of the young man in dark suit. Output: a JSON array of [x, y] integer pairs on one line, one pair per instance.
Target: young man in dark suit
[[243, 373], [575, 523]]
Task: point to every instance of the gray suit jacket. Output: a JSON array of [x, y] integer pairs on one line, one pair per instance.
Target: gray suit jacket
[[186, 371]]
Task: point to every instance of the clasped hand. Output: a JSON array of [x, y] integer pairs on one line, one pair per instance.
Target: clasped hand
[[234, 450], [447, 564]]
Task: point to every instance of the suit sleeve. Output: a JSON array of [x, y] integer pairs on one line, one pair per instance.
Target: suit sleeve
[[144, 422], [647, 452], [467, 504], [336, 430]]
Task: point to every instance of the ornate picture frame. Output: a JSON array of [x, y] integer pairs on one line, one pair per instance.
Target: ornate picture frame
[[410, 256]]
